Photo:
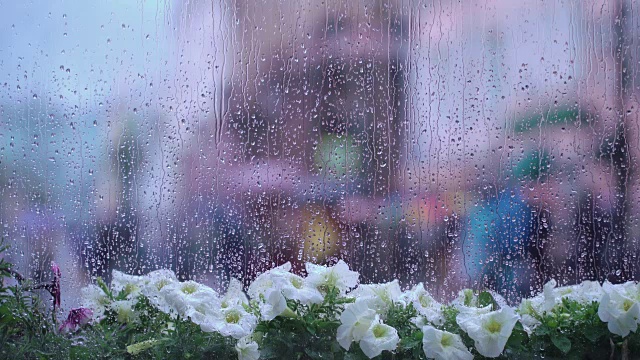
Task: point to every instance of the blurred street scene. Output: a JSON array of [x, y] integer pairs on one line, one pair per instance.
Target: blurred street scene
[[462, 144]]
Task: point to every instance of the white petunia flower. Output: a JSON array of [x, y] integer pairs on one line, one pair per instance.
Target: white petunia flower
[[587, 292], [379, 296], [274, 305], [189, 296], [297, 288], [490, 331], [379, 337], [425, 304], [338, 276], [247, 349], [234, 321], [540, 304], [467, 312], [419, 321], [443, 345], [584, 293], [355, 321], [202, 313], [529, 310], [466, 298], [95, 299], [154, 282], [131, 284], [271, 290], [619, 307], [124, 311], [291, 286], [234, 294], [267, 280], [550, 295]]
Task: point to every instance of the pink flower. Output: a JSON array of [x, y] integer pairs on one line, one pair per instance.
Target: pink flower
[[55, 285], [77, 317]]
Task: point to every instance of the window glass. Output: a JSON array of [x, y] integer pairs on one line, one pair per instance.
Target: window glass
[[462, 144]]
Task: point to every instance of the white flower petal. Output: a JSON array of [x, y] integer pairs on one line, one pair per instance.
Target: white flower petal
[[95, 299], [425, 304], [619, 308], [234, 322], [443, 345], [131, 284], [338, 276], [186, 297], [153, 283], [265, 281], [378, 338], [297, 288], [234, 294], [490, 331], [124, 311], [380, 296], [274, 305], [247, 349], [355, 320]]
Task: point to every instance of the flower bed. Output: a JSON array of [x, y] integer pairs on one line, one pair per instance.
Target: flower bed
[[325, 315]]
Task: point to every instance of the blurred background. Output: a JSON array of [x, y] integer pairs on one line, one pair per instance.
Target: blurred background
[[484, 144]]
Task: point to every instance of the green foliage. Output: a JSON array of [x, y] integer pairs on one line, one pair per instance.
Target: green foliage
[[309, 335], [410, 346], [28, 330], [574, 331]]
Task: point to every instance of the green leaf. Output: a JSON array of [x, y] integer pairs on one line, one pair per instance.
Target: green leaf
[[518, 326], [409, 343], [593, 333], [485, 298], [542, 330], [516, 339], [316, 354], [468, 296], [562, 343], [418, 335], [350, 356], [311, 329], [326, 324], [104, 287], [345, 300]]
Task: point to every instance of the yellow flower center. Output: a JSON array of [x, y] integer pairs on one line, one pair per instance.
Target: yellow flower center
[[447, 340], [383, 294], [297, 283], [162, 283], [627, 305], [379, 331], [130, 289], [232, 317], [189, 288], [331, 280], [493, 326]]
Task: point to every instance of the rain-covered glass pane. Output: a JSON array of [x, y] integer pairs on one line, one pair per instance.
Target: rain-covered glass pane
[[490, 145]]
